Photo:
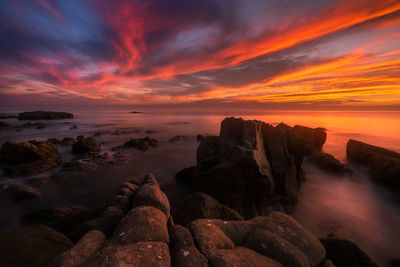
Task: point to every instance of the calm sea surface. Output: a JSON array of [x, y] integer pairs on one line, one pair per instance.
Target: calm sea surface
[[351, 206]]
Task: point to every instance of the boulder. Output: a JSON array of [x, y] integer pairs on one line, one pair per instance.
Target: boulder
[[136, 254], [185, 175], [86, 246], [31, 246], [85, 145], [67, 141], [17, 193], [109, 220], [29, 158], [383, 164], [142, 224], [151, 195], [203, 206], [329, 163], [343, 252], [140, 143], [44, 115], [313, 138], [178, 138], [183, 250]]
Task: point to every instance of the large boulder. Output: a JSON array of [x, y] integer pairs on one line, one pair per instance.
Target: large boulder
[[383, 164], [254, 167], [31, 246], [85, 145], [29, 158], [276, 238], [343, 252], [144, 223], [44, 115], [203, 206], [79, 253], [136, 254], [151, 195]]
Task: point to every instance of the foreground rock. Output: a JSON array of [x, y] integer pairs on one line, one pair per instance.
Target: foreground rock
[[31, 246], [44, 115], [345, 253], [85, 145], [199, 206], [29, 158], [254, 167], [383, 164]]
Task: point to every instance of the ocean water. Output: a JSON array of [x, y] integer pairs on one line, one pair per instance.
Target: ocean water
[[354, 207]]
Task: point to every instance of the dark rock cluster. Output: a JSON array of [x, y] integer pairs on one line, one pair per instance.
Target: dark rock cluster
[[44, 115]]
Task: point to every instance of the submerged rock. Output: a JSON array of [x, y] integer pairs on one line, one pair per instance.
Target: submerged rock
[[140, 143], [345, 253], [18, 193], [85, 145], [37, 125], [383, 164], [28, 158], [44, 115], [34, 246], [3, 125], [329, 163], [203, 206], [178, 138]]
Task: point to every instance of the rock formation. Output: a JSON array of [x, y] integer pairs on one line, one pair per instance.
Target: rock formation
[[44, 115]]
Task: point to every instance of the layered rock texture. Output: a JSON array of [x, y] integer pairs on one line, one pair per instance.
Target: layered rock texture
[[254, 167]]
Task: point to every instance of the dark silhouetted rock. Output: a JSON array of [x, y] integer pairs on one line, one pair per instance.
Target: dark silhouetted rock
[[85, 145], [37, 125], [54, 141], [178, 138], [73, 127], [343, 252], [34, 246], [3, 125], [150, 131], [18, 193], [28, 158], [67, 141], [199, 137], [203, 206], [140, 143], [329, 163], [383, 164], [313, 138], [79, 253], [44, 115], [185, 175], [136, 254], [109, 220], [135, 112]]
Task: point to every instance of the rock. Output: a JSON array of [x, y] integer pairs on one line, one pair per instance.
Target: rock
[[37, 125], [54, 141], [135, 112], [199, 137], [328, 263], [140, 143], [178, 138], [150, 131], [313, 138], [3, 124], [183, 250], [328, 163], [144, 223], [241, 256], [343, 252], [62, 219], [109, 220], [44, 115], [79, 253], [34, 245], [67, 141], [28, 158], [208, 153], [73, 127], [85, 145], [122, 196], [383, 164], [18, 193], [185, 175], [395, 263], [136, 254], [203, 206], [151, 195]]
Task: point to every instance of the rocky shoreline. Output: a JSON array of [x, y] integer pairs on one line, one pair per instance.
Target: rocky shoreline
[[245, 184]]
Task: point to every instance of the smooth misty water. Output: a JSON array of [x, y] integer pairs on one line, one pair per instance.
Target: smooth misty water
[[351, 206]]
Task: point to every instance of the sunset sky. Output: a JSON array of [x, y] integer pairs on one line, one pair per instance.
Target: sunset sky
[[278, 52]]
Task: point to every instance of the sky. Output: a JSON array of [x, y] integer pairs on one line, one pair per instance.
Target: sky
[[278, 53]]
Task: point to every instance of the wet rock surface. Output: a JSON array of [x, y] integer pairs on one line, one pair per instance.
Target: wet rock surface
[[44, 115], [139, 143], [29, 158], [85, 145], [383, 164]]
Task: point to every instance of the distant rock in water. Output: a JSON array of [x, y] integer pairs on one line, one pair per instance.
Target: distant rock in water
[[344, 253], [178, 138], [329, 163], [44, 115], [135, 112], [85, 145], [37, 125], [139, 143], [3, 125], [383, 164], [29, 158], [254, 167]]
